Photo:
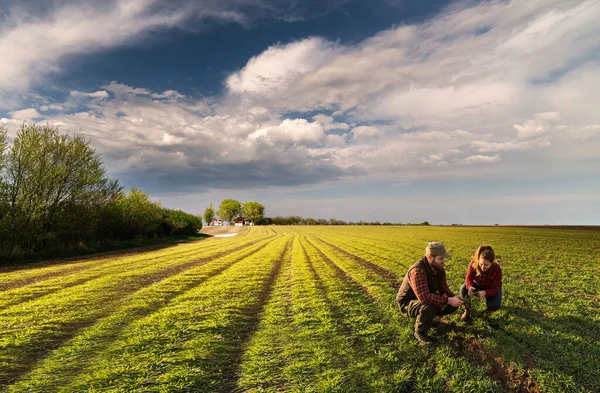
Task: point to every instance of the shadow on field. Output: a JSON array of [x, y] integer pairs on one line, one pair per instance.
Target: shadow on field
[[586, 330], [561, 343]]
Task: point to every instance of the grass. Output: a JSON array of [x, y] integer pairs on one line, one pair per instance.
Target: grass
[[302, 309]]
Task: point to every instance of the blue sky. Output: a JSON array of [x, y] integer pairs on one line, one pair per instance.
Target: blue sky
[[390, 110]]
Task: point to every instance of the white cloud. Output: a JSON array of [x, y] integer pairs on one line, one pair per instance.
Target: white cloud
[[508, 79], [279, 66], [479, 159], [365, 132], [471, 67], [298, 131], [121, 89], [97, 94], [26, 114], [35, 44], [52, 107], [329, 124], [486, 147], [542, 124], [36, 47]]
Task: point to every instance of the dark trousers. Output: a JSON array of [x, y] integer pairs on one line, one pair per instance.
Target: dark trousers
[[425, 313], [493, 302]]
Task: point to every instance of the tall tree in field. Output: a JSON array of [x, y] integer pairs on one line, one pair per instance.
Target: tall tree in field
[[229, 209], [54, 183], [253, 211], [209, 214]]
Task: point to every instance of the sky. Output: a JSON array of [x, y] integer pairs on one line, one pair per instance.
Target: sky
[[463, 112]]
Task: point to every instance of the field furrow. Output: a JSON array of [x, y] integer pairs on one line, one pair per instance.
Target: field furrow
[[69, 312], [187, 345], [29, 275], [37, 290], [81, 350]]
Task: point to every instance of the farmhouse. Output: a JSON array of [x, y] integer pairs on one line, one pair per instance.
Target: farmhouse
[[241, 221], [217, 223]]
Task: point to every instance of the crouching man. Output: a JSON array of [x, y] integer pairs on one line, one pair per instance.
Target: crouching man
[[424, 293]]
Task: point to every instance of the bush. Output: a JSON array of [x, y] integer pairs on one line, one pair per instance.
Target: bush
[[179, 223]]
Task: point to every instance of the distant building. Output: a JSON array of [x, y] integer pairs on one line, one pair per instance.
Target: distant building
[[241, 221], [217, 223]]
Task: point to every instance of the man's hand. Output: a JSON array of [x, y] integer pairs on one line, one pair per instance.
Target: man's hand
[[472, 291], [481, 295], [455, 301]]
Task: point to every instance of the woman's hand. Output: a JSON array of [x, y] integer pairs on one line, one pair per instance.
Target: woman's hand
[[481, 295], [472, 291]]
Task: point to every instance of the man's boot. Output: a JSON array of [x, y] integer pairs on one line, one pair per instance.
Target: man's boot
[[423, 338]]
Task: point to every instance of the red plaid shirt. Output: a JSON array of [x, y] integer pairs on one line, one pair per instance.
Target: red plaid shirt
[[418, 283], [489, 281]]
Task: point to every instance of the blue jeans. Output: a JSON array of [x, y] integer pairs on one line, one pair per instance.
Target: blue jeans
[[493, 302]]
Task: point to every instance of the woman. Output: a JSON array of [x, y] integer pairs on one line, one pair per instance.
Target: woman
[[483, 281]]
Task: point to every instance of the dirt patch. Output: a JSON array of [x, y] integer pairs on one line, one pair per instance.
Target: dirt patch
[[223, 230], [508, 376]]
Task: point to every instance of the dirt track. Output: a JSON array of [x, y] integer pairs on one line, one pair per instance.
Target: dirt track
[[222, 230]]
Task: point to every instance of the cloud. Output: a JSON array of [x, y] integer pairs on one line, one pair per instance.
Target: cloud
[[486, 147], [494, 88], [542, 124], [26, 114], [52, 107], [365, 132], [279, 66], [97, 94], [479, 159], [36, 40], [474, 65], [297, 131], [329, 124]]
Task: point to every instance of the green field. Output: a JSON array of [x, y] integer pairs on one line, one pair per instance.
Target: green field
[[302, 309]]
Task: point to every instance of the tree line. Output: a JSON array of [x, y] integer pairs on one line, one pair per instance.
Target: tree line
[[297, 220], [229, 209], [255, 212], [55, 196]]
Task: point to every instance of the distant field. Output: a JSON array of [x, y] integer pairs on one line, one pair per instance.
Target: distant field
[[302, 309]]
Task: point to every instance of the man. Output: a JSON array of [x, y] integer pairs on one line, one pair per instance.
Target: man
[[424, 292]]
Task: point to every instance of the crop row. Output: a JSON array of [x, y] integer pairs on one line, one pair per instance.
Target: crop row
[[31, 329]]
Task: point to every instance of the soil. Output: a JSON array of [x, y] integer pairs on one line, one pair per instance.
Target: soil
[[223, 230]]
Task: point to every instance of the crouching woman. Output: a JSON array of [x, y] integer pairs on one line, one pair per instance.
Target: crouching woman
[[483, 281]]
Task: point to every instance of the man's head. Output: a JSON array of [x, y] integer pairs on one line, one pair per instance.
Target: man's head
[[436, 254]]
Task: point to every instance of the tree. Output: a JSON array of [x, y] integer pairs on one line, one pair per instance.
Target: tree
[[209, 214], [140, 216], [52, 179], [177, 222], [253, 211], [229, 209]]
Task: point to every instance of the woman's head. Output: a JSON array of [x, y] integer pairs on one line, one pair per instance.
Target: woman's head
[[483, 259]]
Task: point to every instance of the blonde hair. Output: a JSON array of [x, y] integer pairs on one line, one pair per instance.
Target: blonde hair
[[487, 253]]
